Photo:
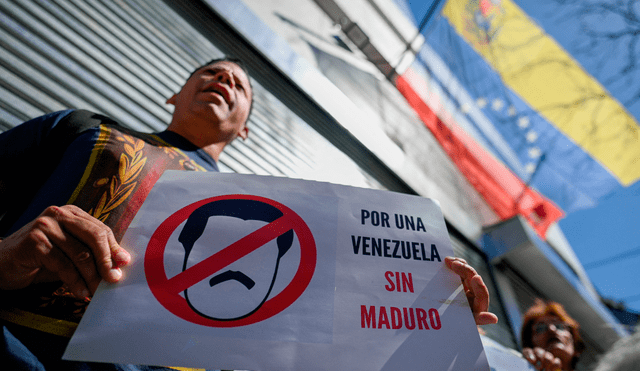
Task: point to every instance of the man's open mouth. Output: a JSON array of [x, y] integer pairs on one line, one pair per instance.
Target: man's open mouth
[[219, 90]]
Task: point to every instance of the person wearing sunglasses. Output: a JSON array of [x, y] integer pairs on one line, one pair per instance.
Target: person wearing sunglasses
[[551, 339]]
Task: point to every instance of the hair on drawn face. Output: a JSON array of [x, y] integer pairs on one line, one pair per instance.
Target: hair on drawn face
[[237, 208]]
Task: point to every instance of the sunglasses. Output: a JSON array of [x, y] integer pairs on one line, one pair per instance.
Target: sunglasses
[[543, 327]]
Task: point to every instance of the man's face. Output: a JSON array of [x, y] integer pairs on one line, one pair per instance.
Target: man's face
[[216, 101], [554, 336]]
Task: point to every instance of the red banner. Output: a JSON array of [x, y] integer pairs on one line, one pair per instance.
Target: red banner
[[503, 191]]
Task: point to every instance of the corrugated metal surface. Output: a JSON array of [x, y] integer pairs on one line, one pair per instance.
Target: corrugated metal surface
[[124, 58], [59, 51]]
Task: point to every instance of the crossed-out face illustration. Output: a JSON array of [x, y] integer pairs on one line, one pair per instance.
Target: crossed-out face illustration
[[239, 290]]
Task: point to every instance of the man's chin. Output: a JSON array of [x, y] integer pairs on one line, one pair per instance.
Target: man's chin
[[208, 107], [213, 97]]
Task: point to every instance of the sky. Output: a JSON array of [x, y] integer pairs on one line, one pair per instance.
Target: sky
[[606, 238]]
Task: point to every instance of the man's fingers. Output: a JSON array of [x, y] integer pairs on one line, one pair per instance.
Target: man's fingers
[[530, 356], [63, 254], [480, 293], [539, 353], [550, 362], [486, 318], [68, 253], [57, 262], [541, 359], [473, 284], [475, 290], [480, 299], [62, 243], [460, 267], [97, 237], [119, 256], [533, 357]]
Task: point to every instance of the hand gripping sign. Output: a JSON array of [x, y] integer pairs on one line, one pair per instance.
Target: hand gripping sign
[[282, 224]]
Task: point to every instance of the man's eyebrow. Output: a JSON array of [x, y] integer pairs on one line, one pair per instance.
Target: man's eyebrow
[[211, 68]]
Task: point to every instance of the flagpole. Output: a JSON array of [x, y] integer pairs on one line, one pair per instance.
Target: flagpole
[[427, 17]]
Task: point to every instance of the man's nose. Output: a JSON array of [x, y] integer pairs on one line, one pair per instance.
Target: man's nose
[[225, 77]]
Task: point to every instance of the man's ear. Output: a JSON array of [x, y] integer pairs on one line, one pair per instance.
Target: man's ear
[[172, 100], [244, 132]]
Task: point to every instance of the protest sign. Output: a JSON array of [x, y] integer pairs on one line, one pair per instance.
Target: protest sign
[[263, 273]]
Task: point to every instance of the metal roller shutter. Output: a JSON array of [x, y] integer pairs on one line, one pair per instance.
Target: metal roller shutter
[[125, 58]]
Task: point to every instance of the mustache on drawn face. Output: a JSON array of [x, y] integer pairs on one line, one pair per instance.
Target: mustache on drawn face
[[232, 275]]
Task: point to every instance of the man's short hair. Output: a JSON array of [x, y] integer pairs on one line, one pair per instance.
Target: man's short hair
[[233, 60]]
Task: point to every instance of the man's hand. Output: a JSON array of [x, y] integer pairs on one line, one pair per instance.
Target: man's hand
[[542, 360], [475, 289], [62, 244]]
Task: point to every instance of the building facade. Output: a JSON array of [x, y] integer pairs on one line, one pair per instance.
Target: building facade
[[325, 108]]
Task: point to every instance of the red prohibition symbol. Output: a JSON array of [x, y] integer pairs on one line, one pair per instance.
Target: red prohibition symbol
[[167, 290]]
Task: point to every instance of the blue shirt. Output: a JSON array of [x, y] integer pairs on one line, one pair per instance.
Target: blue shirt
[[107, 171]]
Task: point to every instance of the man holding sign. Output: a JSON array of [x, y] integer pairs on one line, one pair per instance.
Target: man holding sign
[[53, 257], [102, 179]]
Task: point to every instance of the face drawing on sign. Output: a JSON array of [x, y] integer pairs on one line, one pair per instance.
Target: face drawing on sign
[[240, 289]]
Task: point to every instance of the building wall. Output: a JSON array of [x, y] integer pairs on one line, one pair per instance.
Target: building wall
[[310, 33], [321, 110], [329, 51]]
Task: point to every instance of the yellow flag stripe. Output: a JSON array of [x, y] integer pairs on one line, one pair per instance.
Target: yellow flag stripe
[[544, 75]]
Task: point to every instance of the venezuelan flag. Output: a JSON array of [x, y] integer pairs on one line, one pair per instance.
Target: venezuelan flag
[[566, 135]]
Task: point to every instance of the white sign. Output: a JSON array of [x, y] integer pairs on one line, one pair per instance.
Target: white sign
[[262, 273]]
